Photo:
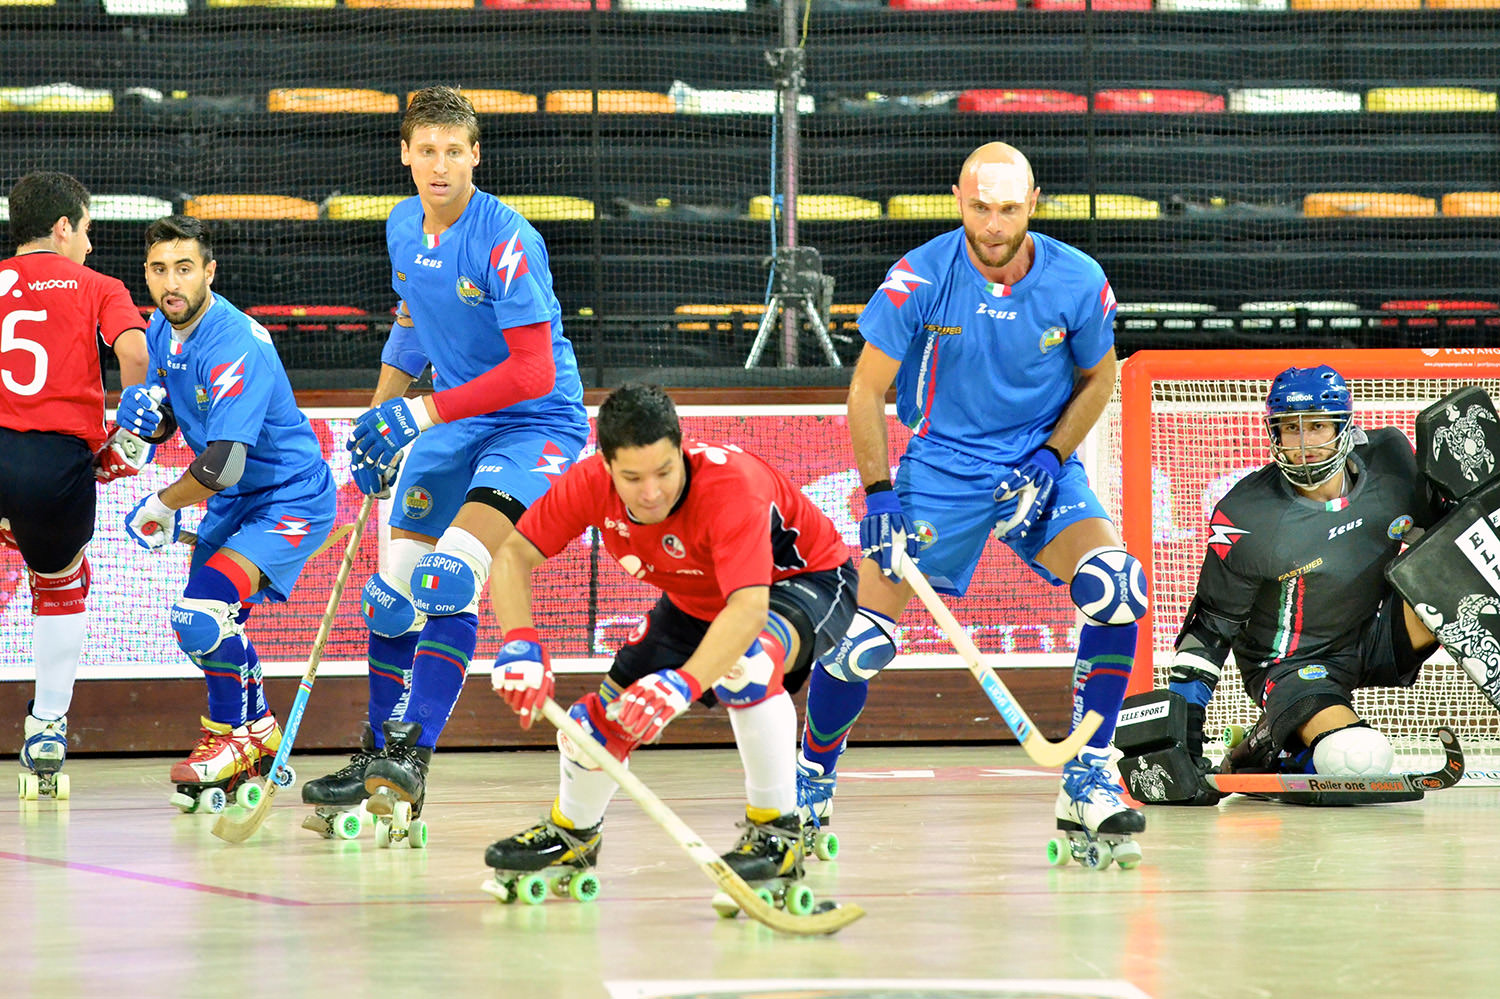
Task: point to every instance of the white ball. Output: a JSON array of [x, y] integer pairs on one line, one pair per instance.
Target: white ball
[[1354, 752], [1110, 588]]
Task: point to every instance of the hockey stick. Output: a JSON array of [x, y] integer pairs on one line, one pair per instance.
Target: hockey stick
[[1447, 775], [712, 864], [190, 538], [237, 830], [1043, 752]]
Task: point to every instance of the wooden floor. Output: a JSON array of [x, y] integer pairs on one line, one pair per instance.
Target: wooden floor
[[116, 893]]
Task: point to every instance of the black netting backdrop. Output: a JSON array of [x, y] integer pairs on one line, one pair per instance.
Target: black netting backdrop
[[1247, 174]]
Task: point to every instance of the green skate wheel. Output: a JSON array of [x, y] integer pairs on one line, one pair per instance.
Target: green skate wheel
[[28, 787], [247, 795], [346, 825], [213, 800], [62, 788], [416, 835], [1059, 852], [825, 845], [1127, 854], [584, 887], [766, 895], [1233, 735], [798, 900], [532, 889]]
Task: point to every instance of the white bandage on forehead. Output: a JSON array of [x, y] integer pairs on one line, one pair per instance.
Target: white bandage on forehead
[[1000, 183]]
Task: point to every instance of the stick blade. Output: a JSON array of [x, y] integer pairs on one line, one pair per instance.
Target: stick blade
[[1055, 754], [237, 829], [753, 906]]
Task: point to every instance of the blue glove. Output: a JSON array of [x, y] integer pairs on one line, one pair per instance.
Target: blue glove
[[374, 481], [1026, 493], [152, 524], [884, 531], [140, 409], [380, 433]]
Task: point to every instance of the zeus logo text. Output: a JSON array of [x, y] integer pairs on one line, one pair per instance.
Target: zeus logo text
[[985, 310], [427, 261], [1334, 532]]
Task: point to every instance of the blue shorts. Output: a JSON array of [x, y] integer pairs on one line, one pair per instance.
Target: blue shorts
[[452, 458], [950, 498], [276, 529]]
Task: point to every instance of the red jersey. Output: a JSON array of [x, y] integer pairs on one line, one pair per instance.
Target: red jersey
[[739, 523], [51, 309]]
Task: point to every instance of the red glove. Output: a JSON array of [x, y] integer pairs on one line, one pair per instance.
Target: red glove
[[649, 704], [523, 673]]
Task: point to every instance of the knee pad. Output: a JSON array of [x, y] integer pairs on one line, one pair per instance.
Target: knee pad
[[1109, 587], [1356, 750], [588, 712], [386, 604], [450, 579], [866, 648], [201, 625], [55, 594], [754, 678]]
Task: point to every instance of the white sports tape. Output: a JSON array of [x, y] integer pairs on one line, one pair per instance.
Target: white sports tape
[[1002, 183]]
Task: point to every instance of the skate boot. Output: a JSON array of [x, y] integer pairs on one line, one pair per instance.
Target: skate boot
[[42, 754], [223, 762], [1099, 826], [340, 796], [769, 857], [815, 791], [397, 782], [552, 852]]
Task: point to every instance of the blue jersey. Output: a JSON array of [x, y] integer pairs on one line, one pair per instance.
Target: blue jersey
[[225, 382], [488, 272], [986, 369]]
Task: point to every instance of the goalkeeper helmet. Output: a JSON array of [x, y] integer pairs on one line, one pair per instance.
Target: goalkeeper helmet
[[1298, 397]]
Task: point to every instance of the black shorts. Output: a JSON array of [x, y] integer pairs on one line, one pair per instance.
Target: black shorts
[[1291, 693], [47, 493], [818, 605]]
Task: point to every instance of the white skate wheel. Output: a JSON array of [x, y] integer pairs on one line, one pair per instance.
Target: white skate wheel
[[64, 787], [28, 786], [347, 825], [416, 835], [247, 795], [725, 906], [213, 800], [184, 802], [1127, 853], [382, 834]]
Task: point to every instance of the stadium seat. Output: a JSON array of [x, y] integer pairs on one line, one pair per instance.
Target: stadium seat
[[683, 6], [249, 206], [1367, 204], [545, 4], [610, 102], [496, 101], [550, 207], [361, 207], [1356, 4], [265, 312], [724, 318], [1291, 100], [1220, 5], [1315, 322], [1471, 204], [691, 100], [55, 97], [325, 100], [1429, 99], [1022, 101], [273, 3], [1097, 4], [409, 4], [923, 206], [1157, 101], [139, 8], [1439, 305], [28, 3], [1463, 4], [128, 208], [1161, 315], [820, 208], [969, 5], [1106, 206]]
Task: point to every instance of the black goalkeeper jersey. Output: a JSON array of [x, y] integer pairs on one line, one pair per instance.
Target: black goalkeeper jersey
[[1287, 579]]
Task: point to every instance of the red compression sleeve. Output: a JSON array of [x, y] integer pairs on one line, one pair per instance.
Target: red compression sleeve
[[527, 373]]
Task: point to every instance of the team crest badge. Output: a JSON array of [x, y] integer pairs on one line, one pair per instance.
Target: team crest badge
[[1399, 527], [200, 395], [469, 293], [673, 546], [1313, 672], [417, 503], [1051, 337], [926, 533]]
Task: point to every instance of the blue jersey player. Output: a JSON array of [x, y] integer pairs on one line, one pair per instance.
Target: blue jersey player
[[214, 373], [1000, 343], [506, 420]]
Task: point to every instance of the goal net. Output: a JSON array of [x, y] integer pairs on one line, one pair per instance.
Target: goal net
[[1185, 426]]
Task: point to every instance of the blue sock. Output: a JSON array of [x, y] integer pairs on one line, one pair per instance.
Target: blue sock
[[437, 672], [225, 668], [1106, 653], [833, 706], [390, 672], [255, 689]]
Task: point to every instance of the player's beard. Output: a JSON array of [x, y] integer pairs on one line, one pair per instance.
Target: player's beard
[[194, 304], [988, 257]]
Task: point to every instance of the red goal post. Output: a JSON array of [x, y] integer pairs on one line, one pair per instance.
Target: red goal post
[[1185, 425]]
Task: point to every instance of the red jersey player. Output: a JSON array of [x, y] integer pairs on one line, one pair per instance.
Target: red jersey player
[[755, 582], [52, 440]]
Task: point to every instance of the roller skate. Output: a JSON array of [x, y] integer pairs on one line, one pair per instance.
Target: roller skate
[[769, 857], [42, 754], [223, 763], [552, 854], [340, 796], [1099, 826], [397, 782], [815, 791]]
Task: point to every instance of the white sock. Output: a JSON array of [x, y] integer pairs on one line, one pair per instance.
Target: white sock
[[56, 644], [583, 795], [766, 734]]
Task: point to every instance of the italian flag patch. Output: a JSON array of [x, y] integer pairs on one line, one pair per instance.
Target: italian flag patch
[[429, 581]]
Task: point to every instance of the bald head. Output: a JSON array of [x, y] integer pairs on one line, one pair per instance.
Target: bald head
[[997, 173]]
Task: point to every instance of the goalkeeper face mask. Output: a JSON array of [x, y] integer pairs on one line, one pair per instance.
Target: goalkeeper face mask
[[1310, 421]]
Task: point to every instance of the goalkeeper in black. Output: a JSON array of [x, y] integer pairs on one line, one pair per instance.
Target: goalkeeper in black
[[1293, 582]]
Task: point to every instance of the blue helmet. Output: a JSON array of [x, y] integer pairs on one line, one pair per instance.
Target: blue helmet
[[1299, 393]]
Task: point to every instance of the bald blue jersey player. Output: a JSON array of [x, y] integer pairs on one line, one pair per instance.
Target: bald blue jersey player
[[1000, 343], [506, 421]]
